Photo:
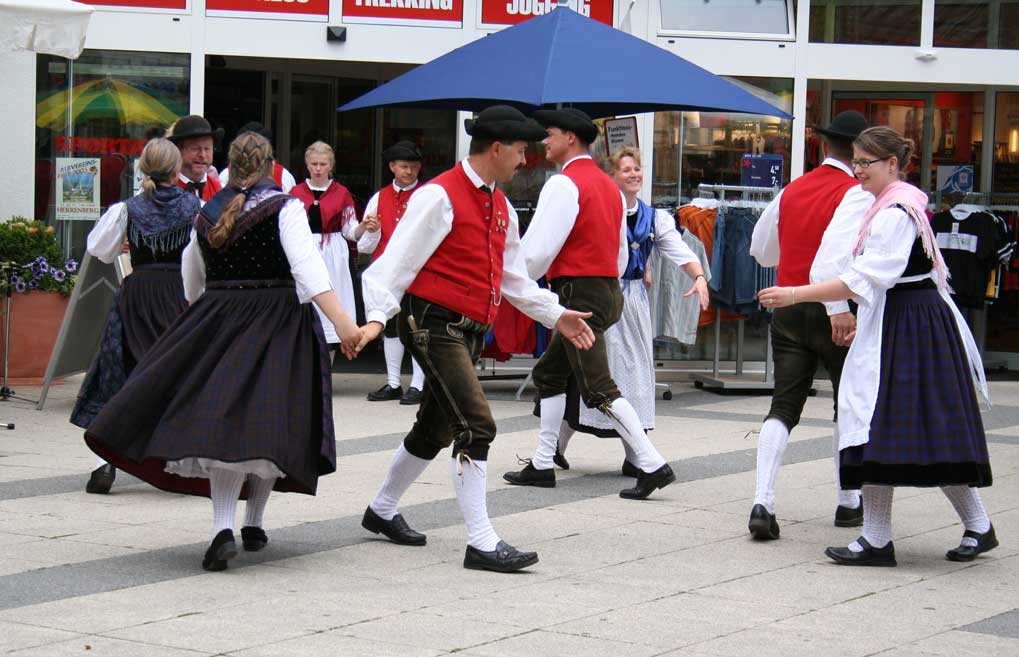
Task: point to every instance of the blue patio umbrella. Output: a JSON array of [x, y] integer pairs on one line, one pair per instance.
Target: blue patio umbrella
[[564, 58]]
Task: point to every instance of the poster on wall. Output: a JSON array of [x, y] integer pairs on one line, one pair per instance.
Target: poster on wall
[[173, 6], [496, 13], [620, 133], [296, 10], [422, 13], [956, 179], [77, 192]]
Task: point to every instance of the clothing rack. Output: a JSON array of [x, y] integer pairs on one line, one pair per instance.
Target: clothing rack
[[740, 381]]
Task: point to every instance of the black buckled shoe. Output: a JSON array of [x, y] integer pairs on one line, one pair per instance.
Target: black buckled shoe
[[647, 482], [101, 480], [531, 476], [411, 398], [253, 538], [560, 460], [985, 543], [848, 516], [763, 526], [503, 559], [397, 530], [222, 550], [870, 556], [385, 393], [630, 470]]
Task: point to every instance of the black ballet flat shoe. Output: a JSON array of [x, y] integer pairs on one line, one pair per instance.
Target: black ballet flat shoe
[[101, 480], [503, 559], [411, 398], [985, 543], [222, 550], [560, 460], [763, 526], [871, 556], [630, 470], [531, 476], [647, 482], [253, 538], [385, 393], [849, 517], [397, 530]]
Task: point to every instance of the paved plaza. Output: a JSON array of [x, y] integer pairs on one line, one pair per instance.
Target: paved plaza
[[677, 574]]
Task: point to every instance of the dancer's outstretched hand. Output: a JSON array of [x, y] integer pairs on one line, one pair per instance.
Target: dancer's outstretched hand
[[571, 325]]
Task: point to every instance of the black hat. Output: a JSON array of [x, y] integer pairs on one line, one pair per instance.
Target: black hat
[[845, 125], [189, 127], [257, 128], [402, 150], [570, 119], [504, 122]]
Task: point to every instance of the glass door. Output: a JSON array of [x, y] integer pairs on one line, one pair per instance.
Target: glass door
[[312, 118]]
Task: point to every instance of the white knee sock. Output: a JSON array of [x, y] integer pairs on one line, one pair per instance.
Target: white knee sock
[[552, 411], [393, 349], [417, 379], [225, 488], [847, 498], [970, 508], [631, 456], [404, 469], [771, 445], [627, 423], [470, 487], [877, 517], [565, 433], [258, 496]]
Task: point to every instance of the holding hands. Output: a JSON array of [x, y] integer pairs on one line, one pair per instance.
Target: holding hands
[[371, 223], [777, 297]]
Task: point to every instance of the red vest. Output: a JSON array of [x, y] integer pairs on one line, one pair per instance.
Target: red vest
[[333, 204], [592, 249], [277, 173], [392, 205], [212, 185], [804, 212], [465, 272]]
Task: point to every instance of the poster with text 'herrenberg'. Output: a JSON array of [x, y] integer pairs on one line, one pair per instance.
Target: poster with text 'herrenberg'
[[77, 191]]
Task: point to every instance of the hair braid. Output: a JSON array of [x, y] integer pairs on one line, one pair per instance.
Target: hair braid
[[250, 161]]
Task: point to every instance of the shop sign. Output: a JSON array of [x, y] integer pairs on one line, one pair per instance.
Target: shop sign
[[620, 133], [511, 12], [99, 145], [302, 10], [758, 170], [77, 190], [176, 5], [426, 13]]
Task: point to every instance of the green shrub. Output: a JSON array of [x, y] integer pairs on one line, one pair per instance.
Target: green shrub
[[31, 258]]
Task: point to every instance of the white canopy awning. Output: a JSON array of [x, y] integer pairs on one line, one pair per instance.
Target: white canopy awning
[[56, 27]]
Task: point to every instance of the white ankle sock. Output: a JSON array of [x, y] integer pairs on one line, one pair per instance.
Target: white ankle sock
[[258, 496], [470, 487], [565, 433], [393, 349], [99, 463], [225, 488], [877, 517], [847, 498], [971, 510], [404, 469], [627, 423], [552, 411], [417, 379], [771, 444]]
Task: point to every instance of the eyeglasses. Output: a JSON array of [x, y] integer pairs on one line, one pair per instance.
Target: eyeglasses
[[865, 164]]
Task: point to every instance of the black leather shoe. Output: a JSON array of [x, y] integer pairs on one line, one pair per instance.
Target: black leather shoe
[[222, 549], [385, 393], [763, 526], [531, 476], [397, 530], [253, 538], [871, 556], [411, 398], [849, 517], [101, 480], [647, 482], [985, 542], [560, 460], [503, 559], [630, 470]]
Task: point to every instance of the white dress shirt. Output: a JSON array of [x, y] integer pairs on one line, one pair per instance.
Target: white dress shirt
[[370, 241], [426, 223], [106, 237], [289, 182]]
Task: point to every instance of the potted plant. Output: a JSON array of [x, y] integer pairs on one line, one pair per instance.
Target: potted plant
[[37, 281]]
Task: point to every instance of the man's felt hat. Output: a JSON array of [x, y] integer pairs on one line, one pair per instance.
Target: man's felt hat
[[257, 128], [402, 150], [503, 122], [189, 127], [570, 119], [845, 125]]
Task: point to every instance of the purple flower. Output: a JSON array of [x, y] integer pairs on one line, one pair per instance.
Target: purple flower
[[34, 268], [19, 286], [41, 259], [43, 267], [14, 279], [33, 284], [71, 266], [58, 275]]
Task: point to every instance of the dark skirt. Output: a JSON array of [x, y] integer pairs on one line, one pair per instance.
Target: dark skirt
[[243, 374], [926, 429], [147, 303]]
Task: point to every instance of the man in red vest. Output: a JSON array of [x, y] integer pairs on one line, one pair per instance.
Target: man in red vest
[[383, 213], [453, 259], [808, 231], [194, 138], [577, 239]]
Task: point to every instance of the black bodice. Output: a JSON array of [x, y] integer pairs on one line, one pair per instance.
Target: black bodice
[[142, 254], [255, 255]]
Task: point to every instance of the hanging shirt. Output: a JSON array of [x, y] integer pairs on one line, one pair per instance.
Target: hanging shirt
[[970, 241]]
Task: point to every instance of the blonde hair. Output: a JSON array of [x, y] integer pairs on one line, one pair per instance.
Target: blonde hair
[[884, 142], [250, 161], [159, 163], [321, 148], [614, 161]]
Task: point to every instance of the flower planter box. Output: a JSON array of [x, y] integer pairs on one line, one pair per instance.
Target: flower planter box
[[35, 323]]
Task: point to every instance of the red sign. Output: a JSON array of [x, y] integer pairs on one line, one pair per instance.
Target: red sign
[[99, 145], [143, 4], [299, 9], [435, 13], [511, 12]]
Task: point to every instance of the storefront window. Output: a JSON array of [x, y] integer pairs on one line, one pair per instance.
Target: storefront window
[[976, 24], [892, 23], [1003, 314], [1006, 144], [93, 114], [758, 17], [434, 131]]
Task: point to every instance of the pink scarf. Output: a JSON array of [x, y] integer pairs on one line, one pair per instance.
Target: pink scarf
[[915, 202]]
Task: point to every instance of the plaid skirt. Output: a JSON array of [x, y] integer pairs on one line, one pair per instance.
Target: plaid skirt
[[926, 429], [242, 375]]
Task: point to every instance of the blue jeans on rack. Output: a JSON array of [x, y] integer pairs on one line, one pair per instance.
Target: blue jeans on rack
[[735, 273]]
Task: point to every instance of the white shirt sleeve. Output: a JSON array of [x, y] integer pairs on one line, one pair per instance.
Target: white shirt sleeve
[[349, 223], [224, 176], [192, 269], [669, 242], [289, 182], [518, 287], [764, 243], [370, 241], [623, 257], [309, 270], [554, 217], [836, 249], [884, 257], [425, 224], [107, 236]]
